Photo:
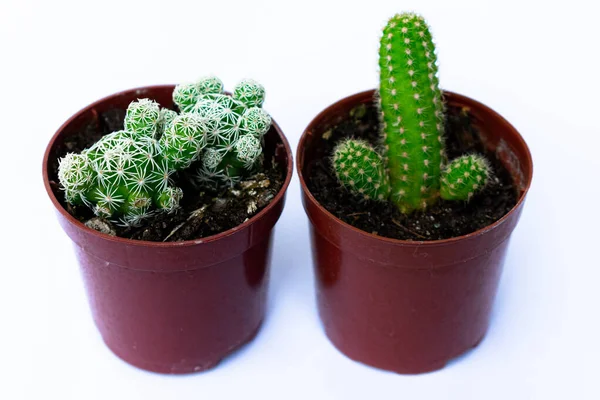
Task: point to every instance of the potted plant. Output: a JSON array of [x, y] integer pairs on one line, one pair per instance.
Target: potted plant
[[170, 195], [412, 194]]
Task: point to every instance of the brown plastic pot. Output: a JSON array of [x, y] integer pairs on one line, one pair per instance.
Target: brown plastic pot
[[175, 307], [409, 306]]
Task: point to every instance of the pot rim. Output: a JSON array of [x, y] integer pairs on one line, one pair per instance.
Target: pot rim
[[146, 243], [429, 243]]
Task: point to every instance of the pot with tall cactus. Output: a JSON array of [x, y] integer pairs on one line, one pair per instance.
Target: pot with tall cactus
[[170, 195], [412, 193]]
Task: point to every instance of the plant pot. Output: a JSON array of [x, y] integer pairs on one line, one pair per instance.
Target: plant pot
[[409, 306], [174, 307]]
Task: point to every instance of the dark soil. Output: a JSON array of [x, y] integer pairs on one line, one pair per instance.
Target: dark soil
[[203, 212], [444, 220]]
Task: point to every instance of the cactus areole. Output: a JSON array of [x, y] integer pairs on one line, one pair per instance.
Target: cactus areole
[[126, 175], [411, 169]]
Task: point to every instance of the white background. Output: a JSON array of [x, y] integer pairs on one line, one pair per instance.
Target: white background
[[534, 62]]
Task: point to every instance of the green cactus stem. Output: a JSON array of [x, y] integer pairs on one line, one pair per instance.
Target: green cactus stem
[[126, 174], [165, 118], [75, 176], [142, 117], [187, 95], [464, 177], [183, 140], [361, 169], [249, 92], [210, 84], [236, 125], [255, 121], [411, 111]]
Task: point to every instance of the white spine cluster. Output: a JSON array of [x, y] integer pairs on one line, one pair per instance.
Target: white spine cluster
[[75, 176], [248, 150], [255, 121]]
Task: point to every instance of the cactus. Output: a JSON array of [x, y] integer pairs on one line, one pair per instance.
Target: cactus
[[235, 126], [463, 177], [182, 141], [127, 173], [412, 127], [360, 168], [411, 111], [125, 176], [142, 117], [186, 96], [249, 92]]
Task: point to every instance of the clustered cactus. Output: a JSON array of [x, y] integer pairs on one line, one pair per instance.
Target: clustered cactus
[[413, 171], [236, 124], [126, 175]]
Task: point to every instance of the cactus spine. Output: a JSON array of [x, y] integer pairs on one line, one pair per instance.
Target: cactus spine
[[412, 129], [411, 111]]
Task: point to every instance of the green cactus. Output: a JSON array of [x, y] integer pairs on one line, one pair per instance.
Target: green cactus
[[411, 111], [187, 95], [183, 140], [463, 177], [75, 176], [255, 121], [249, 92], [361, 169], [125, 176], [210, 84], [412, 123], [142, 117], [235, 126]]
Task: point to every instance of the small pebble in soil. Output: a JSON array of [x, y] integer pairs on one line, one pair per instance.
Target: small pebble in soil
[[101, 225]]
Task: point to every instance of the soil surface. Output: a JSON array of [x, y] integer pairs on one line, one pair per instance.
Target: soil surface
[[446, 219], [203, 212]]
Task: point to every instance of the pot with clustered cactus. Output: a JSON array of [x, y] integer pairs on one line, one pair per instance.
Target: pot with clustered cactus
[[170, 195], [412, 194]]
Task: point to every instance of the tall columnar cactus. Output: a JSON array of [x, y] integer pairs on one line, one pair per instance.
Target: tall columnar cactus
[[411, 111], [125, 176], [412, 125], [236, 125]]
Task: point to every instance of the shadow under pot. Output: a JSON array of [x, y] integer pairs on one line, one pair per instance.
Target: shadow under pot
[[174, 307], [409, 306]]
